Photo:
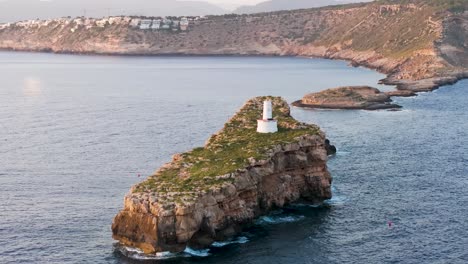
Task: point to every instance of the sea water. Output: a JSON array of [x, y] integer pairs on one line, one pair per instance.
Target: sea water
[[76, 131]]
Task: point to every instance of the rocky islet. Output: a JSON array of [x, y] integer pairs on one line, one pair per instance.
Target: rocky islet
[[350, 97], [189, 204]]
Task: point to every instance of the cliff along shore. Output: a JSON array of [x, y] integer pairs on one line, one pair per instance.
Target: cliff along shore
[[419, 44], [210, 193]]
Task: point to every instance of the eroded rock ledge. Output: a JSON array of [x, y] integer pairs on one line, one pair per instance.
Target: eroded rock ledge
[[349, 97], [208, 194]]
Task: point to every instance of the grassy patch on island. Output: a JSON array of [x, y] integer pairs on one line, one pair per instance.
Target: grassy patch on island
[[230, 149]]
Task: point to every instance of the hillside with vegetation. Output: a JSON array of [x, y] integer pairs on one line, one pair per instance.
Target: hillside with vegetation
[[410, 40], [235, 147]]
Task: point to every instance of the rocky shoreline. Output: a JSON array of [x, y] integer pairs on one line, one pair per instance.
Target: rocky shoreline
[[406, 87], [210, 193], [411, 87]]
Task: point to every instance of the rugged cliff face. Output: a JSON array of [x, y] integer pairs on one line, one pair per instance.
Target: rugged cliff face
[[454, 44], [409, 40], [205, 195]]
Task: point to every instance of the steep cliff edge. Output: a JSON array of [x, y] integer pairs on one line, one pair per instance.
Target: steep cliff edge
[[207, 194], [409, 40]]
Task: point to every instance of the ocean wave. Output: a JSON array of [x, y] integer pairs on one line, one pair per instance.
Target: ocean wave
[[138, 254], [279, 219], [135, 253], [197, 253], [336, 200], [239, 240]]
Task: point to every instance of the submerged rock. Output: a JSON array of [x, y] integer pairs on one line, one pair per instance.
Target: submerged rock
[[349, 97], [208, 194]]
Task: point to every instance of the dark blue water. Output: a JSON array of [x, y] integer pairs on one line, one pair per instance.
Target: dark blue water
[[75, 131]]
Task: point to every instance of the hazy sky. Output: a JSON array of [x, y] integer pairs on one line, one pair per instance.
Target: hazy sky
[[231, 4], [228, 4], [17, 10], [237, 2]]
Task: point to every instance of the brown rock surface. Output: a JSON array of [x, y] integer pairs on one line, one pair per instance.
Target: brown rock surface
[[350, 97], [401, 93]]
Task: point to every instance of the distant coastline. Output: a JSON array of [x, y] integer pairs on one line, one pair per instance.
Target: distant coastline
[[431, 55]]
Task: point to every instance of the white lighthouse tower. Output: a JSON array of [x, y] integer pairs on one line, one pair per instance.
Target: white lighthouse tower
[[267, 124]]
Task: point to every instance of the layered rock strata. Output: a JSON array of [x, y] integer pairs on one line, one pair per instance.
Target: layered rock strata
[[188, 203]]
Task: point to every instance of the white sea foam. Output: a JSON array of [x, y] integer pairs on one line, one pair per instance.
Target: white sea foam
[[336, 200], [280, 219], [133, 250], [135, 253], [239, 240], [197, 253]]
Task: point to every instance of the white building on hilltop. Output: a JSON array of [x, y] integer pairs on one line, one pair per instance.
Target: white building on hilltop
[[3, 26], [134, 22], [167, 21], [145, 23], [267, 124], [115, 20], [78, 21], [184, 23], [156, 24], [102, 22]]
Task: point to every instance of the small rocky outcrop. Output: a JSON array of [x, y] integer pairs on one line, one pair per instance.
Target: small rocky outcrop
[[350, 97], [208, 194], [331, 149]]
